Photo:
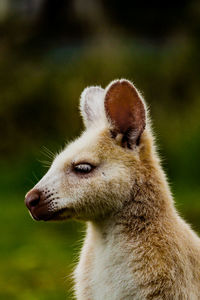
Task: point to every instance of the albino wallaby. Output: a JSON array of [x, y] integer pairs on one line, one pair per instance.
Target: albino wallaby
[[136, 246]]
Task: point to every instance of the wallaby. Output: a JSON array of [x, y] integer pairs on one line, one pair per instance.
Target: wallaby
[[136, 246]]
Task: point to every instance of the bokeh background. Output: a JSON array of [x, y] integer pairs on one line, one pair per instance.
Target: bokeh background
[[49, 52]]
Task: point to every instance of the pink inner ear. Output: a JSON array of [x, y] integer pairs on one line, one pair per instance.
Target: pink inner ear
[[124, 108]]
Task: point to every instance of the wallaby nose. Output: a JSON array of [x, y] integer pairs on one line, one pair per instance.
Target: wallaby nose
[[32, 199]]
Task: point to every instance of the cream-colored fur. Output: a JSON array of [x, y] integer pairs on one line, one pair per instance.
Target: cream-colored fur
[[136, 246]]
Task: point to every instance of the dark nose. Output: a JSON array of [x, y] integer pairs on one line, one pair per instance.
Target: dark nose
[[32, 199]]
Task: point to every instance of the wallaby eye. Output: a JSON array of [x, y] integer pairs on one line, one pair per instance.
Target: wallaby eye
[[83, 168]]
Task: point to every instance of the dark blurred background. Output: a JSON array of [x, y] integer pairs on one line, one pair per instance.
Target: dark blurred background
[[49, 52]]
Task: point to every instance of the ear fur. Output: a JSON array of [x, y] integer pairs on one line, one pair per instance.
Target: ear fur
[[125, 110], [120, 105], [91, 105]]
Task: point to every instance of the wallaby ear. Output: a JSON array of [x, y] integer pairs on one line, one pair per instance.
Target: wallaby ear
[[125, 110], [91, 105]]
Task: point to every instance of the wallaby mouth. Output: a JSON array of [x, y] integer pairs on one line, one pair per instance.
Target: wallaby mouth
[[54, 216], [41, 208]]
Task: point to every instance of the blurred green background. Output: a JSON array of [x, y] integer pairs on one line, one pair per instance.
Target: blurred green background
[[49, 52]]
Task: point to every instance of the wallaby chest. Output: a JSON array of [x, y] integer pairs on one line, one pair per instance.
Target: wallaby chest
[[104, 271]]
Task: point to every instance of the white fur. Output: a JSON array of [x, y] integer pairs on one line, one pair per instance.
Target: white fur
[[92, 105], [110, 276]]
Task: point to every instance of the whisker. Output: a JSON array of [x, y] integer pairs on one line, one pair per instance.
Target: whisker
[[45, 163], [35, 177], [47, 150]]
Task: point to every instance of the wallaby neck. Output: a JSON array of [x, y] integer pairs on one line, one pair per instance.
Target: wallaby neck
[[151, 203]]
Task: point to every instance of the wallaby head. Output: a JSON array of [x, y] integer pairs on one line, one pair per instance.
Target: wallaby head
[[100, 171]]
